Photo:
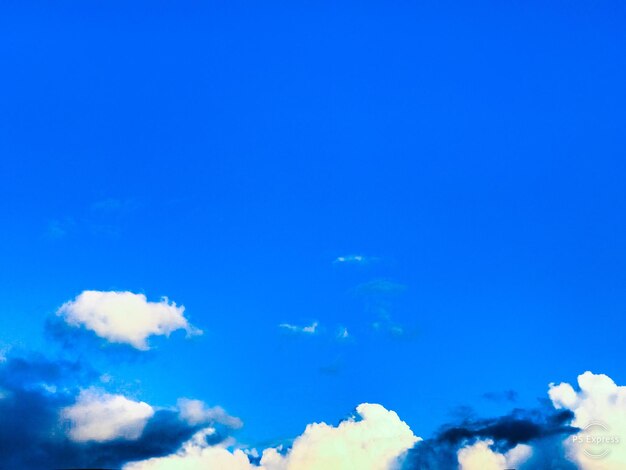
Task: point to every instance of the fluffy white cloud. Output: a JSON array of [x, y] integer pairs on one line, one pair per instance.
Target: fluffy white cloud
[[311, 329], [197, 455], [101, 417], [125, 317], [599, 408], [196, 412], [480, 456], [374, 442]]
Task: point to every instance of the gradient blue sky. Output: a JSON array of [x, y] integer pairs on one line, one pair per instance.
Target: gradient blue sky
[[224, 154]]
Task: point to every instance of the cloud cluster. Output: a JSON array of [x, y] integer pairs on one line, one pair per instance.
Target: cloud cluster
[[49, 419], [375, 439], [52, 416], [584, 429], [536, 435], [125, 317]]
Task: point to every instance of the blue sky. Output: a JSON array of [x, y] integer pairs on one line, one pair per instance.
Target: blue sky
[[226, 154]]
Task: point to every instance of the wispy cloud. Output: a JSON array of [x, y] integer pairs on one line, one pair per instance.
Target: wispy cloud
[[387, 325], [196, 412], [115, 205], [379, 287], [379, 297], [310, 329], [106, 217], [501, 397], [354, 259], [331, 369], [342, 333], [59, 228]]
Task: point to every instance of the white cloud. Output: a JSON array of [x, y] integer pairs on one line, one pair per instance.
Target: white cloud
[[352, 259], [196, 412], [311, 329], [125, 317], [600, 406], [355, 260], [480, 456], [101, 417], [374, 442]]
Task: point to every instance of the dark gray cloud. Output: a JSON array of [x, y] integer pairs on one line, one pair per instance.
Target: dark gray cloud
[[34, 389], [80, 342], [543, 428]]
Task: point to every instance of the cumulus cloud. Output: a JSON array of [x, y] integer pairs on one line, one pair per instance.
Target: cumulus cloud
[[125, 317], [373, 442], [311, 329], [374, 439], [599, 407], [480, 456], [98, 416]]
